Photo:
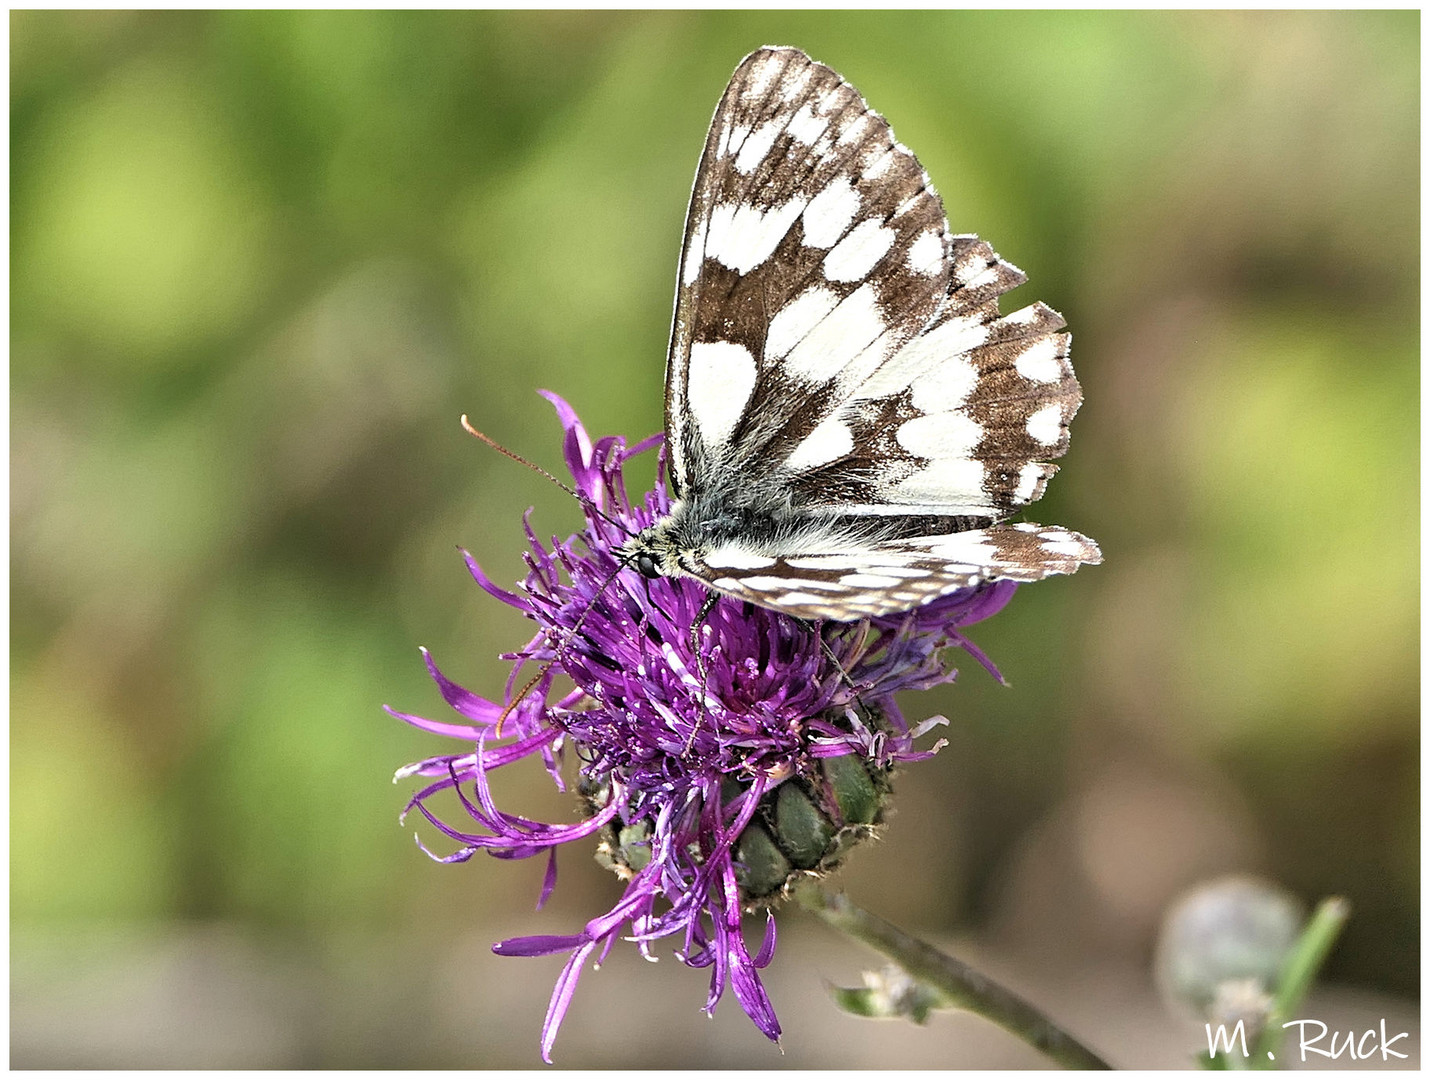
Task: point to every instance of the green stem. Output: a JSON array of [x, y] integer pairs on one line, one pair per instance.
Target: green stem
[[1299, 971], [960, 985]]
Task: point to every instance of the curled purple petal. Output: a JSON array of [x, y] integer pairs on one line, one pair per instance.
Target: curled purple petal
[[463, 701], [767, 947], [561, 999], [508, 598]]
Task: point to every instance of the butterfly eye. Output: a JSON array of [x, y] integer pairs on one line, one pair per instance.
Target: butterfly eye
[[646, 565]]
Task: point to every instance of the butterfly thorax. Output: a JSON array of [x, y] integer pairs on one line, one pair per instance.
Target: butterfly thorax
[[677, 544]]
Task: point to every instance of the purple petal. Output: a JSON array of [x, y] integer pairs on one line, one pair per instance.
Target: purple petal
[[548, 883], [436, 727], [990, 602], [539, 945], [577, 448], [567, 415], [498, 756], [561, 999], [767, 947], [978, 655], [751, 995], [509, 598], [455, 857], [462, 700], [645, 444]]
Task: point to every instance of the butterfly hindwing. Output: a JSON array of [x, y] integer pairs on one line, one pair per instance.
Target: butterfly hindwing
[[961, 421], [853, 580]]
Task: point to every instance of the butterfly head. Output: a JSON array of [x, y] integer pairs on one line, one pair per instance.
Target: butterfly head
[[653, 552]]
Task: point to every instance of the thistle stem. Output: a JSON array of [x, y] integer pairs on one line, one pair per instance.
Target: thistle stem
[[960, 985]]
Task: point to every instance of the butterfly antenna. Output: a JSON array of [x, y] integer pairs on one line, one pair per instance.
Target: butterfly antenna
[[586, 501], [514, 702]]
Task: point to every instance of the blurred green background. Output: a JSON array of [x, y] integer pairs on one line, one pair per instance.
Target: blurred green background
[[261, 262]]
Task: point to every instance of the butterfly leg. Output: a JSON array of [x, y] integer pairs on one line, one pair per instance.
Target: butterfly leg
[[711, 599], [817, 628], [651, 600]]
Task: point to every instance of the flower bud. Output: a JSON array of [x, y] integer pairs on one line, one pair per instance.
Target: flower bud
[[808, 825], [1222, 948], [888, 994]]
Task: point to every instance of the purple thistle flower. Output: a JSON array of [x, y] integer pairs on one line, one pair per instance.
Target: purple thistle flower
[[713, 782]]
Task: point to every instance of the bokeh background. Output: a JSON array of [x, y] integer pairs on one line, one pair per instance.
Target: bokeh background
[[260, 263]]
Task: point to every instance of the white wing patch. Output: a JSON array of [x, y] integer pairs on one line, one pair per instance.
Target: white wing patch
[[742, 236], [938, 353], [1039, 361], [828, 442], [1030, 480], [859, 252], [954, 484], [731, 557], [806, 127], [756, 145], [761, 76], [848, 333], [1046, 425], [830, 212], [695, 254], [940, 435], [722, 374], [926, 254], [797, 319]]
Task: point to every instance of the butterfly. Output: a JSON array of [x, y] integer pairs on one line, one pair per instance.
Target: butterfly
[[850, 421]]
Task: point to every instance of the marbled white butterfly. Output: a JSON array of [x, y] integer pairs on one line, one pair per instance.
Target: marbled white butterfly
[[849, 420]]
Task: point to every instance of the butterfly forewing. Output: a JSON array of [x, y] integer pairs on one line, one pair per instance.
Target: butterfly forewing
[[814, 249], [850, 418]]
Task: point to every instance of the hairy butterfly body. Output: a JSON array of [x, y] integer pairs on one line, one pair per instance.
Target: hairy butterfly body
[[850, 421]]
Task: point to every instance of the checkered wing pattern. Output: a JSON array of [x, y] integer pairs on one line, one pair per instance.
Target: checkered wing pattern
[[847, 410]]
